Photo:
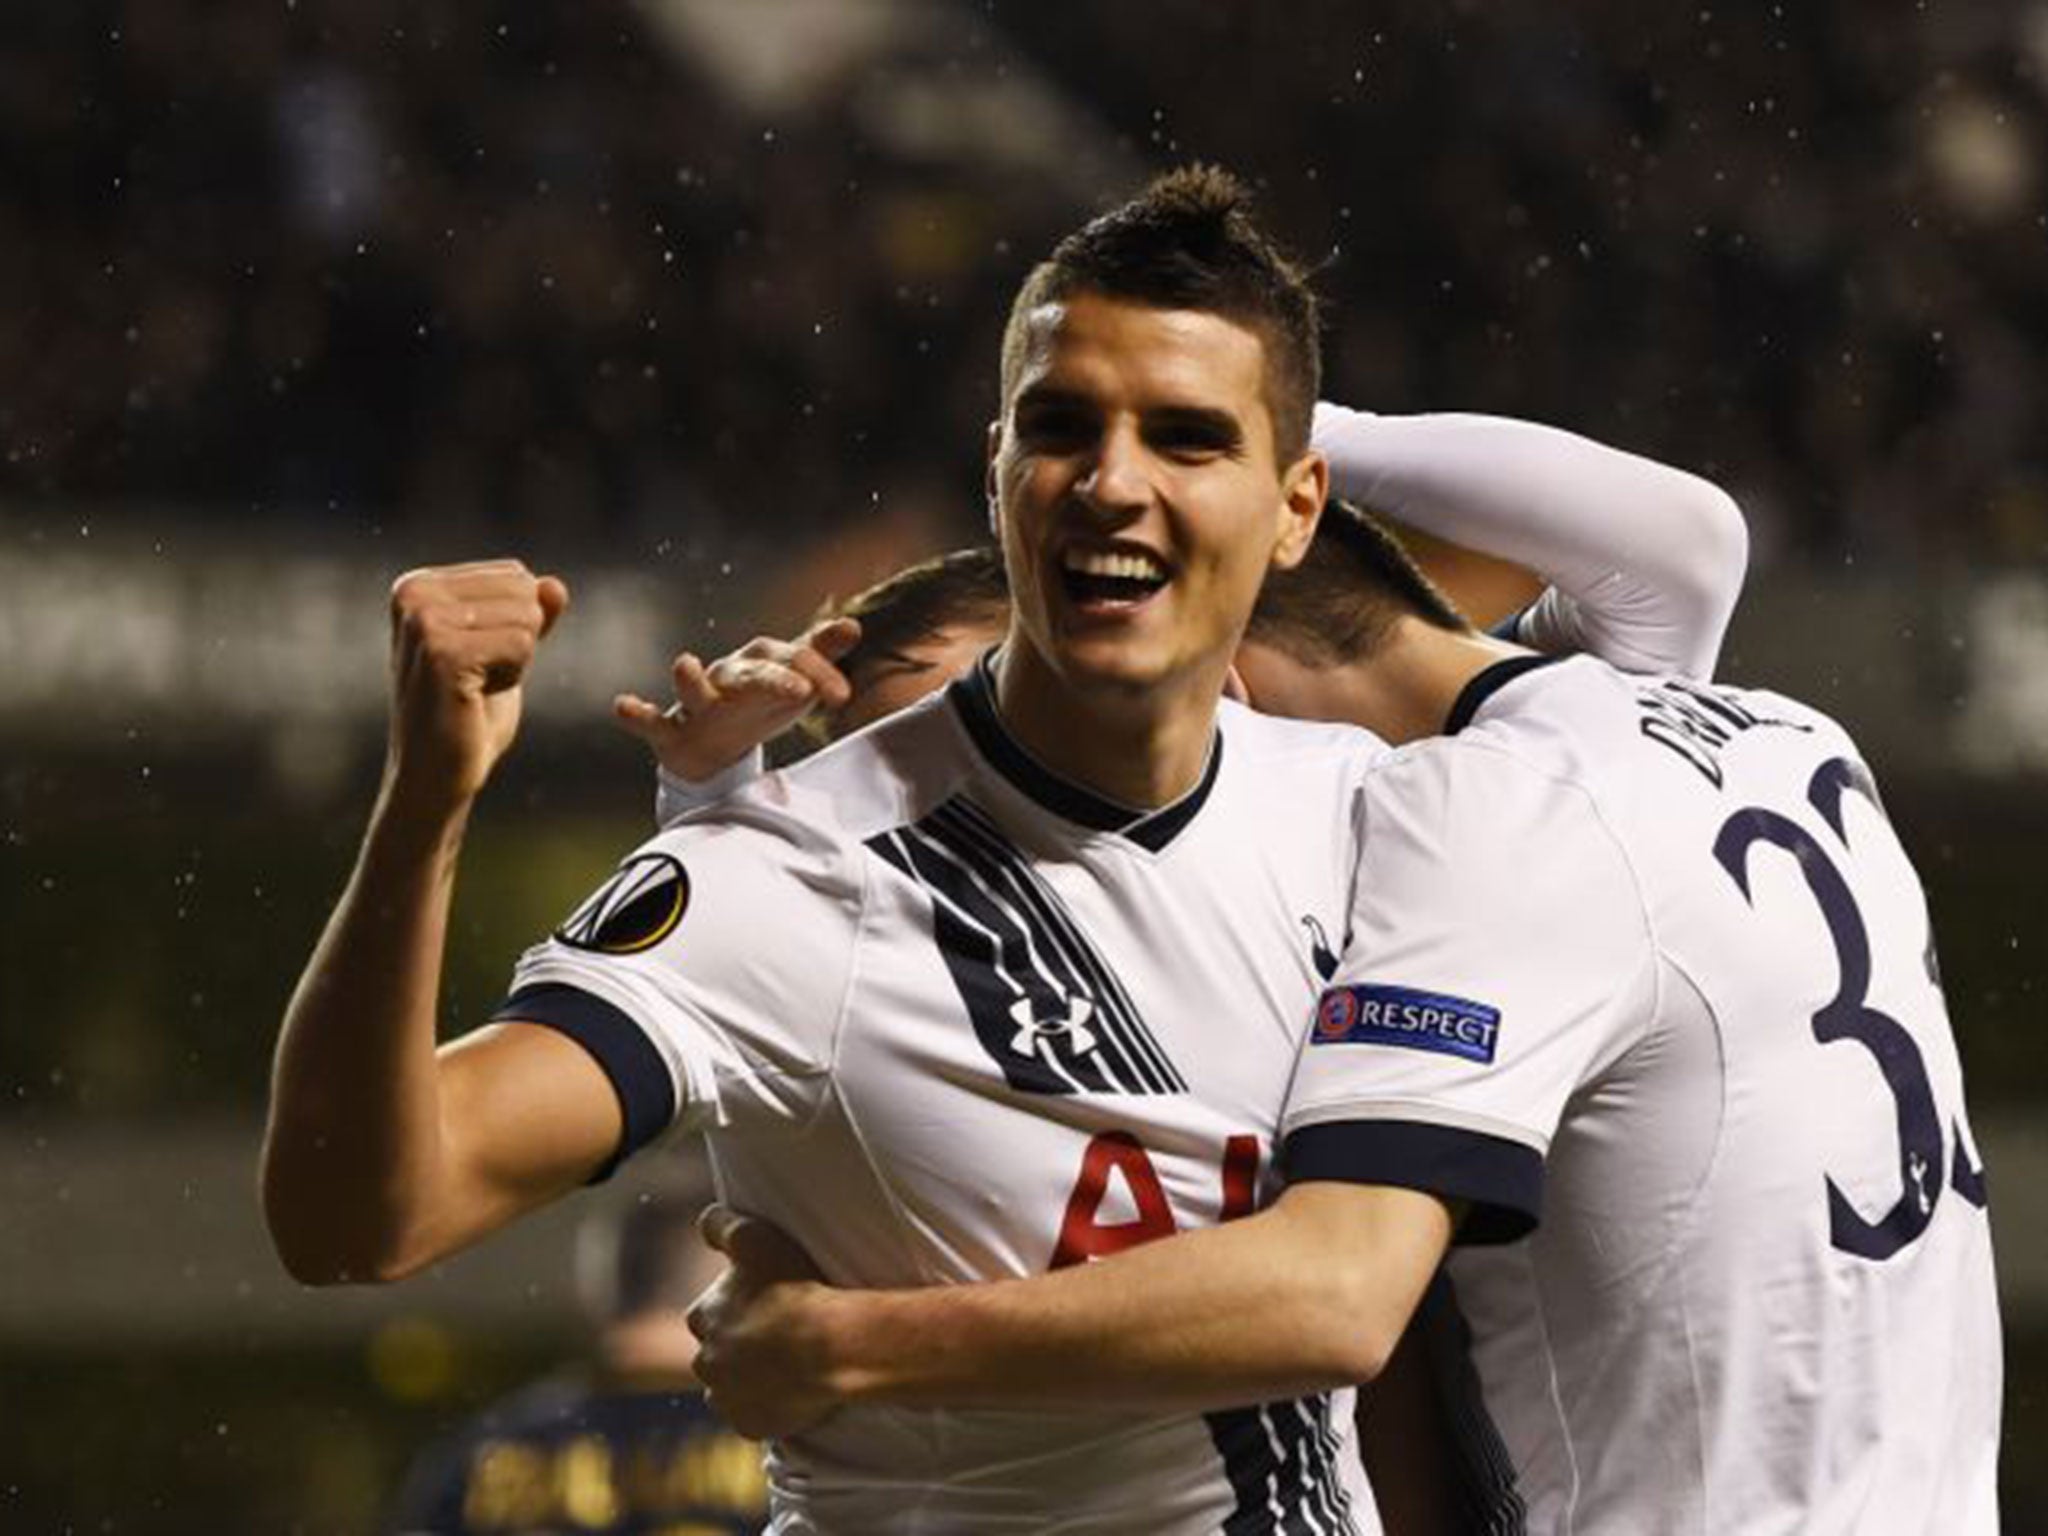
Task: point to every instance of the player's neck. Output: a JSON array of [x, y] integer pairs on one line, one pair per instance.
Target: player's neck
[[1139, 747], [1407, 689]]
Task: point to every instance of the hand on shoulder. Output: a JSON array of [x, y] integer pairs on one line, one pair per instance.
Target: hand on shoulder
[[747, 697]]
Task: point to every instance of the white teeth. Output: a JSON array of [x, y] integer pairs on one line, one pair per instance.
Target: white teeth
[[1102, 563]]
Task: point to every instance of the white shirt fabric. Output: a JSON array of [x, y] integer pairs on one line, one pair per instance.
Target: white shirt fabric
[[1645, 562], [1638, 968], [942, 1017]]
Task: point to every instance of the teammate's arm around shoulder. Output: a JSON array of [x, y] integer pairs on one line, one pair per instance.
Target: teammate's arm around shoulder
[[382, 1153], [1645, 561], [1331, 1271]]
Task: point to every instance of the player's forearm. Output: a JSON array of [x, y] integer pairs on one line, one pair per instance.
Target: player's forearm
[[1226, 1324], [1305, 1297], [1653, 554], [352, 1151]]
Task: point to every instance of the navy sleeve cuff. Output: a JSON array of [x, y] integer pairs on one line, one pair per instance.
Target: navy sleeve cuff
[[1501, 1180], [647, 1095]]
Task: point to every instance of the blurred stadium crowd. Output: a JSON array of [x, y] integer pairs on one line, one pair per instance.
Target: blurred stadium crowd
[[585, 268], [701, 299]]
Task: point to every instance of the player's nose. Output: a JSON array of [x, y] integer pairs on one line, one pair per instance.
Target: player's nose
[[1116, 482]]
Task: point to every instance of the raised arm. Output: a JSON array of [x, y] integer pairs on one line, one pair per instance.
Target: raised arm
[[1645, 561], [382, 1152], [1330, 1272]]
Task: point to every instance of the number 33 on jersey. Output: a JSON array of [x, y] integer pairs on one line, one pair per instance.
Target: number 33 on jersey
[[1641, 974]]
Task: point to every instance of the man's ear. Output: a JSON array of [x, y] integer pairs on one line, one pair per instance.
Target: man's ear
[[988, 481], [1303, 490]]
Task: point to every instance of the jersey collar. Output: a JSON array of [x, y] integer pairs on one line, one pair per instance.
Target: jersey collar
[[973, 697], [1486, 683]]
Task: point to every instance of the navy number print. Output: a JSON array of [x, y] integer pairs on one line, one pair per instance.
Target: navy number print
[[1849, 1017]]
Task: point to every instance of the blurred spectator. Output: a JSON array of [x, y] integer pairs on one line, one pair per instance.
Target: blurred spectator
[[535, 269], [624, 1444]]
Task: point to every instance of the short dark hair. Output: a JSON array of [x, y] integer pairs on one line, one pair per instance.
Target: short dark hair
[[1188, 241], [1338, 604], [959, 587], [965, 586]]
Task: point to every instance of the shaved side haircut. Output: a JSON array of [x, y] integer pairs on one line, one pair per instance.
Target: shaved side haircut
[[1189, 241], [1339, 604], [961, 589]]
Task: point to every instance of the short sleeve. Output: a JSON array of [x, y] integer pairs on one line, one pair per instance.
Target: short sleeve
[[708, 974], [1498, 957], [676, 797]]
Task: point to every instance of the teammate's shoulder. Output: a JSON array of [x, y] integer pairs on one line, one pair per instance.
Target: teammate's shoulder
[[1655, 755], [1477, 808], [1524, 754], [1516, 691], [873, 779], [1606, 714], [1472, 767], [1582, 717], [1768, 705], [1584, 690], [1525, 716], [1278, 739]]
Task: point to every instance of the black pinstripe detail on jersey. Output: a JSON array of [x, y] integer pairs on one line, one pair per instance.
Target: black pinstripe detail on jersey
[[977, 958], [1304, 1464], [979, 834], [1240, 1438], [981, 850], [1329, 1444], [1482, 1475], [1042, 1002], [1329, 1479], [1281, 1461]]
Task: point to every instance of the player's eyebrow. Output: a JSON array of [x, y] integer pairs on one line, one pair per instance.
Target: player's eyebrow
[[1042, 396], [1210, 425]]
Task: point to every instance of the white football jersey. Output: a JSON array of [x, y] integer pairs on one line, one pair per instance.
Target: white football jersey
[[943, 1016], [1638, 969]]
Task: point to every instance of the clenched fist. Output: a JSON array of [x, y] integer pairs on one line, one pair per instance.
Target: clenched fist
[[462, 638]]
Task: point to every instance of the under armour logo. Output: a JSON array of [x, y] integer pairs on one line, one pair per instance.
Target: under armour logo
[[1072, 1027]]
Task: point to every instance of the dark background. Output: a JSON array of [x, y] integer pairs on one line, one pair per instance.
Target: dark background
[[698, 302]]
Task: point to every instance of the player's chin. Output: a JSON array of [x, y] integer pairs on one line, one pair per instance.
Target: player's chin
[[1130, 646], [1122, 662]]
